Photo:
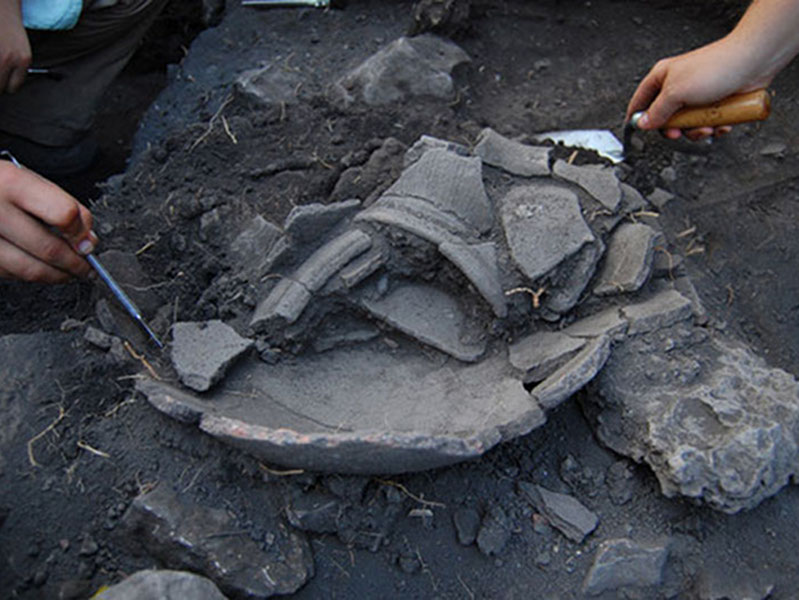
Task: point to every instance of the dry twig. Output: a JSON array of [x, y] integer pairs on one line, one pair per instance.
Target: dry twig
[[41, 434]]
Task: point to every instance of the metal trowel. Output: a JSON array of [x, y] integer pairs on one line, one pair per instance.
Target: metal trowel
[[739, 108]]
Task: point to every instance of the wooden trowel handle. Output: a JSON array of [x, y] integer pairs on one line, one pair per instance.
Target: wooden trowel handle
[[740, 108]]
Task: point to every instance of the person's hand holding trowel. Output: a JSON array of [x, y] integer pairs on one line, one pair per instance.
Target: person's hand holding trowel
[[44, 232], [765, 40]]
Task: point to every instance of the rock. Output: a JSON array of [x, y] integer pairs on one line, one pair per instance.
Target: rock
[[451, 183], [314, 512], [620, 479], [191, 537], [544, 226], [599, 181], [467, 525], [202, 352], [623, 563], [406, 68], [565, 513], [714, 583], [98, 338], [628, 261], [659, 198], [514, 157], [494, 532], [429, 315], [713, 422], [269, 86], [164, 585]]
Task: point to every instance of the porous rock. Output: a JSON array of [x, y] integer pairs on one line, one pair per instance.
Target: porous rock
[[623, 563], [203, 351], [712, 420], [164, 585], [190, 537]]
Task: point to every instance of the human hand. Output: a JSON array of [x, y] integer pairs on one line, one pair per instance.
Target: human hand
[[44, 232], [695, 78], [15, 49]]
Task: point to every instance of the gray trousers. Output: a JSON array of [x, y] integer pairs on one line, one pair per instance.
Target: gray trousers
[[89, 56]]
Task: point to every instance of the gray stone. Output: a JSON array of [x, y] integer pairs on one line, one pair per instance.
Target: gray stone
[[599, 181], [494, 532], [479, 263], [430, 316], [623, 563], [659, 198], [452, 183], [607, 322], [427, 142], [713, 422], [98, 338], [467, 525], [330, 258], [308, 223], [539, 355], [564, 512], [511, 156], [407, 67], [202, 352], [284, 304], [344, 331], [271, 85], [573, 375], [620, 479], [544, 226], [663, 309], [191, 537], [164, 585], [685, 286], [315, 512], [628, 260]]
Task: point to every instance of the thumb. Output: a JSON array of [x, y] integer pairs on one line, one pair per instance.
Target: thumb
[[659, 112]]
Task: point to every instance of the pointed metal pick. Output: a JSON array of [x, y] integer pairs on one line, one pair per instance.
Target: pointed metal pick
[[123, 298]]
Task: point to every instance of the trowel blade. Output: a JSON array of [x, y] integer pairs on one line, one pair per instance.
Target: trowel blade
[[601, 140]]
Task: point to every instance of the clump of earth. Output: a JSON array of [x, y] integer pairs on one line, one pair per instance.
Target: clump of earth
[[436, 354]]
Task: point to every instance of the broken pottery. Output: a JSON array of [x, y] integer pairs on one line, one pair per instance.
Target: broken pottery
[[473, 295]]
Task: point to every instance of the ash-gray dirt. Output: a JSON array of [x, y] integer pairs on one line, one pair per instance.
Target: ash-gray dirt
[[536, 66]]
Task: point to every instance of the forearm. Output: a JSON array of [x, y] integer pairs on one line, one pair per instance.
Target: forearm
[[769, 30]]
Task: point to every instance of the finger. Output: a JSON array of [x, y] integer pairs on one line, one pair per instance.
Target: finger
[[4, 75], [672, 133], [723, 130], [33, 238], [18, 264], [647, 90], [54, 207], [699, 133], [16, 78]]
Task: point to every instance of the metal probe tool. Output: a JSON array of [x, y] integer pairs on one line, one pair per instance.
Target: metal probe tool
[[112, 284]]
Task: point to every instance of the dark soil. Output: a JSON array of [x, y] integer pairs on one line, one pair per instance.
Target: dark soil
[[536, 66]]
